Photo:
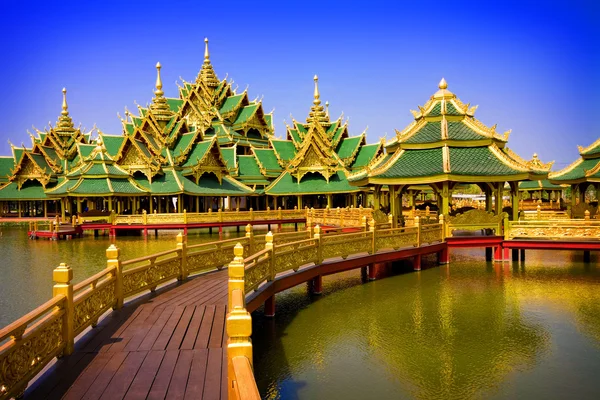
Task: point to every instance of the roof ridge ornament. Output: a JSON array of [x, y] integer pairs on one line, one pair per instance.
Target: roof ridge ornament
[[65, 108], [317, 112], [207, 73], [159, 107]]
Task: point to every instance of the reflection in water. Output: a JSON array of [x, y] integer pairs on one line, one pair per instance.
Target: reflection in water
[[26, 265], [468, 330]]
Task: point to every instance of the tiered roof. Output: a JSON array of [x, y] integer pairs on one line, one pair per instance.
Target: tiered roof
[[585, 169], [444, 143], [317, 155]]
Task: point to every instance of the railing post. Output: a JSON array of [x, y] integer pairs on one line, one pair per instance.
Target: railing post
[[251, 214], [236, 274], [182, 246], [220, 215], [372, 230], [113, 217], [279, 216], [144, 217], [250, 236], [427, 212], [184, 216], [62, 277], [363, 222], [269, 246], [586, 214], [539, 212], [317, 236], [418, 226], [442, 226], [113, 260], [506, 227], [391, 220]]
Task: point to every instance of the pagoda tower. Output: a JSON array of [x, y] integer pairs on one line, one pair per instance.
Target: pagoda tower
[[444, 146], [315, 159]]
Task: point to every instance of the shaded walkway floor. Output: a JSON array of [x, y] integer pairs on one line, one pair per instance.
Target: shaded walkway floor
[[166, 346]]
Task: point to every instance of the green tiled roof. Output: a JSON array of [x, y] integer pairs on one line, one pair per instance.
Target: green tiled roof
[[451, 110], [478, 161], [348, 146], [269, 120], [416, 163], [248, 166], [579, 171], [365, 155], [228, 154], [231, 103], [6, 164], [30, 190], [246, 114], [311, 183], [459, 131], [294, 135], [538, 185], [267, 158], [136, 120], [18, 153], [436, 111], [129, 128], [161, 183], [431, 132], [183, 143], [50, 152], [174, 104], [285, 149], [209, 186], [40, 160], [197, 153], [338, 134]]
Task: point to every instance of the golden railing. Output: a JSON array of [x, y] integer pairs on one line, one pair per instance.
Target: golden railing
[[542, 214], [572, 229], [342, 217], [474, 220], [208, 217]]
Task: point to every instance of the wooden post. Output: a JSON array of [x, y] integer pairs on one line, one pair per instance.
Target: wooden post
[[182, 246], [112, 256], [317, 285], [62, 276], [236, 273], [269, 246], [418, 226], [317, 235]]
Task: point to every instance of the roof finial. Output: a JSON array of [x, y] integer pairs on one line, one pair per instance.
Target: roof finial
[[317, 101], [327, 109], [158, 91], [443, 84], [64, 104], [206, 55]]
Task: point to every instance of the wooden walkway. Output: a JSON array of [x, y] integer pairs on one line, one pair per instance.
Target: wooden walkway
[[171, 345]]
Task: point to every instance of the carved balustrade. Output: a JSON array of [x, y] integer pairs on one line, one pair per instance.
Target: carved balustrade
[[93, 297], [474, 220], [146, 273], [572, 229], [215, 255], [29, 343]]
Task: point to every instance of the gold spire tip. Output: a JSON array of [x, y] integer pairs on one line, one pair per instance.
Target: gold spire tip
[[316, 78], [64, 102], [443, 84], [206, 55], [158, 91]]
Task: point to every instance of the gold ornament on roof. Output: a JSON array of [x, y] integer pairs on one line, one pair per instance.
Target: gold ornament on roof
[[64, 103]]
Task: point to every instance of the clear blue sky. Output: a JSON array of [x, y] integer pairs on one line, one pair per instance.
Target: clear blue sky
[[533, 67]]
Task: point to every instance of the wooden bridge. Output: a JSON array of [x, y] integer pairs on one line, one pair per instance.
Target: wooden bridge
[[190, 337]]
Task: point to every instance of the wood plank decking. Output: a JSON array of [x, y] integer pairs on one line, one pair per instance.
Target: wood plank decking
[[171, 345]]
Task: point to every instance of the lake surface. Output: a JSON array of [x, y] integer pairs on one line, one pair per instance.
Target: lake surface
[[469, 330], [26, 265]]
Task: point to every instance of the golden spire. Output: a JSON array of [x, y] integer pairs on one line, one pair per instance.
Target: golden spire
[[158, 91], [317, 113], [443, 92], [207, 73], [327, 109], [64, 104], [159, 105], [65, 123], [443, 84]]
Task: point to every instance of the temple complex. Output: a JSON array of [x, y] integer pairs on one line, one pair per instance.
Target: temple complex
[[213, 148]]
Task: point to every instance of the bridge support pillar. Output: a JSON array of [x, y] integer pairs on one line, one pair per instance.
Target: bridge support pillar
[[522, 255], [515, 255], [363, 274], [112, 232], [372, 271], [488, 254], [270, 307], [316, 286], [586, 256], [417, 262], [444, 256]]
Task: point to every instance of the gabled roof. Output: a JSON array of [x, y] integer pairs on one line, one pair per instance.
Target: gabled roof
[[310, 183], [585, 169], [6, 166]]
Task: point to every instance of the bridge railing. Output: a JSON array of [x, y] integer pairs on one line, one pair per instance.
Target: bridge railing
[[474, 220], [572, 229], [341, 217], [208, 217], [541, 214]]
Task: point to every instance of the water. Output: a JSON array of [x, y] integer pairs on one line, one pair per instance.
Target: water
[[26, 265], [469, 330]]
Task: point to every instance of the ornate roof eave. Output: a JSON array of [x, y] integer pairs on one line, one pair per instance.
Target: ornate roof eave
[[583, 150]]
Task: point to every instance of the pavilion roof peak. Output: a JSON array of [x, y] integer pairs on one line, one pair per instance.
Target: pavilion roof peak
[[65, 123], [159, 105], [317, 111], [207, 73], [443, 92], [536, 164]]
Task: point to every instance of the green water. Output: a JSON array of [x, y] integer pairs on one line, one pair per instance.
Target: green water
[[26, 265], [469, 330]]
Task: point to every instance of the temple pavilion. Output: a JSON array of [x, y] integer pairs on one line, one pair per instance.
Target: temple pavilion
[[582, 175], [444, 146]]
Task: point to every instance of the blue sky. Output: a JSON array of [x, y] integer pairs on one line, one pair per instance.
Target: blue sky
[[531, 66]]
